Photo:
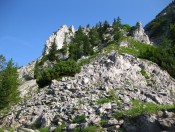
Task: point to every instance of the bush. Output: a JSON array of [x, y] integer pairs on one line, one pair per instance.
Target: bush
[[164, 57], [79, 119], [60, 69], [60, 128], [45, 77], [66, 68]]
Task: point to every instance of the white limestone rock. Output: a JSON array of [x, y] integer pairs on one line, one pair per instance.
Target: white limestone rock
[[63, 34], [26, 72], [124, 44], [140, 35]]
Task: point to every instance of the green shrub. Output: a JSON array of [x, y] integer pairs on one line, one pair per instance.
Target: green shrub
[[9, 129], [164, 57], [66, 68], [60, 128], [79, 119]]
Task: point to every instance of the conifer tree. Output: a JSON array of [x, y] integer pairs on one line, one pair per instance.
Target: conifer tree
[[105, 26], [9, 93], [119, 22], [52, 52], [2, 62], [86, 46]]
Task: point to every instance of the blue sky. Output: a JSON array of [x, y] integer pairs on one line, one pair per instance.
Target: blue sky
[[25, 25]]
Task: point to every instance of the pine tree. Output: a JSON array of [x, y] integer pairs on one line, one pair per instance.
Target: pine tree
[[100, 31], [9, 93], [37, 72], [119, 22], [52, 52], [105, 26], [94, 37], [86, 46], [2, 62]]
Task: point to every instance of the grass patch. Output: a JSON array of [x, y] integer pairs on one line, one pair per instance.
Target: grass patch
[[144, 73], [103, 121], [104, 100], [9, 129], [60, 128], [111, 98], [90, 129], [134, 48], [79, 119], [87, 129], [140, 108], [44, 129]]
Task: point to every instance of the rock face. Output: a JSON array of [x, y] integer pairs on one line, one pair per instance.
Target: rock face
[[26, 72], [140, 35], [153, 123], [63, 34], [112, 75]]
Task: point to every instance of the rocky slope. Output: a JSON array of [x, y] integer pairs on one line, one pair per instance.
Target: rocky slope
[[111, 75]]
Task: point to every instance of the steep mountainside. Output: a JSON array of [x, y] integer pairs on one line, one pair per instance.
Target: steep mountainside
[[162, 28], [107, 85]]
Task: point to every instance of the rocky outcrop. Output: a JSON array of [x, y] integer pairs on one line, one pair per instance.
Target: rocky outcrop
[[63, 34], [163, 121], [27, 72], [111, 76], [28, 88], [139, 34]]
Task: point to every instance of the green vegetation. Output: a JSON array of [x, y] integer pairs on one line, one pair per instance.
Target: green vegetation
[[104, 100], [90, 129], [61, 68], [9, 93], [111, 98], [44, 129], [139, 108], [164, 57], [163, 26], [52, 52], [143, 72], [9, 129], [79, 119], [87, 129], [60, 128]]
